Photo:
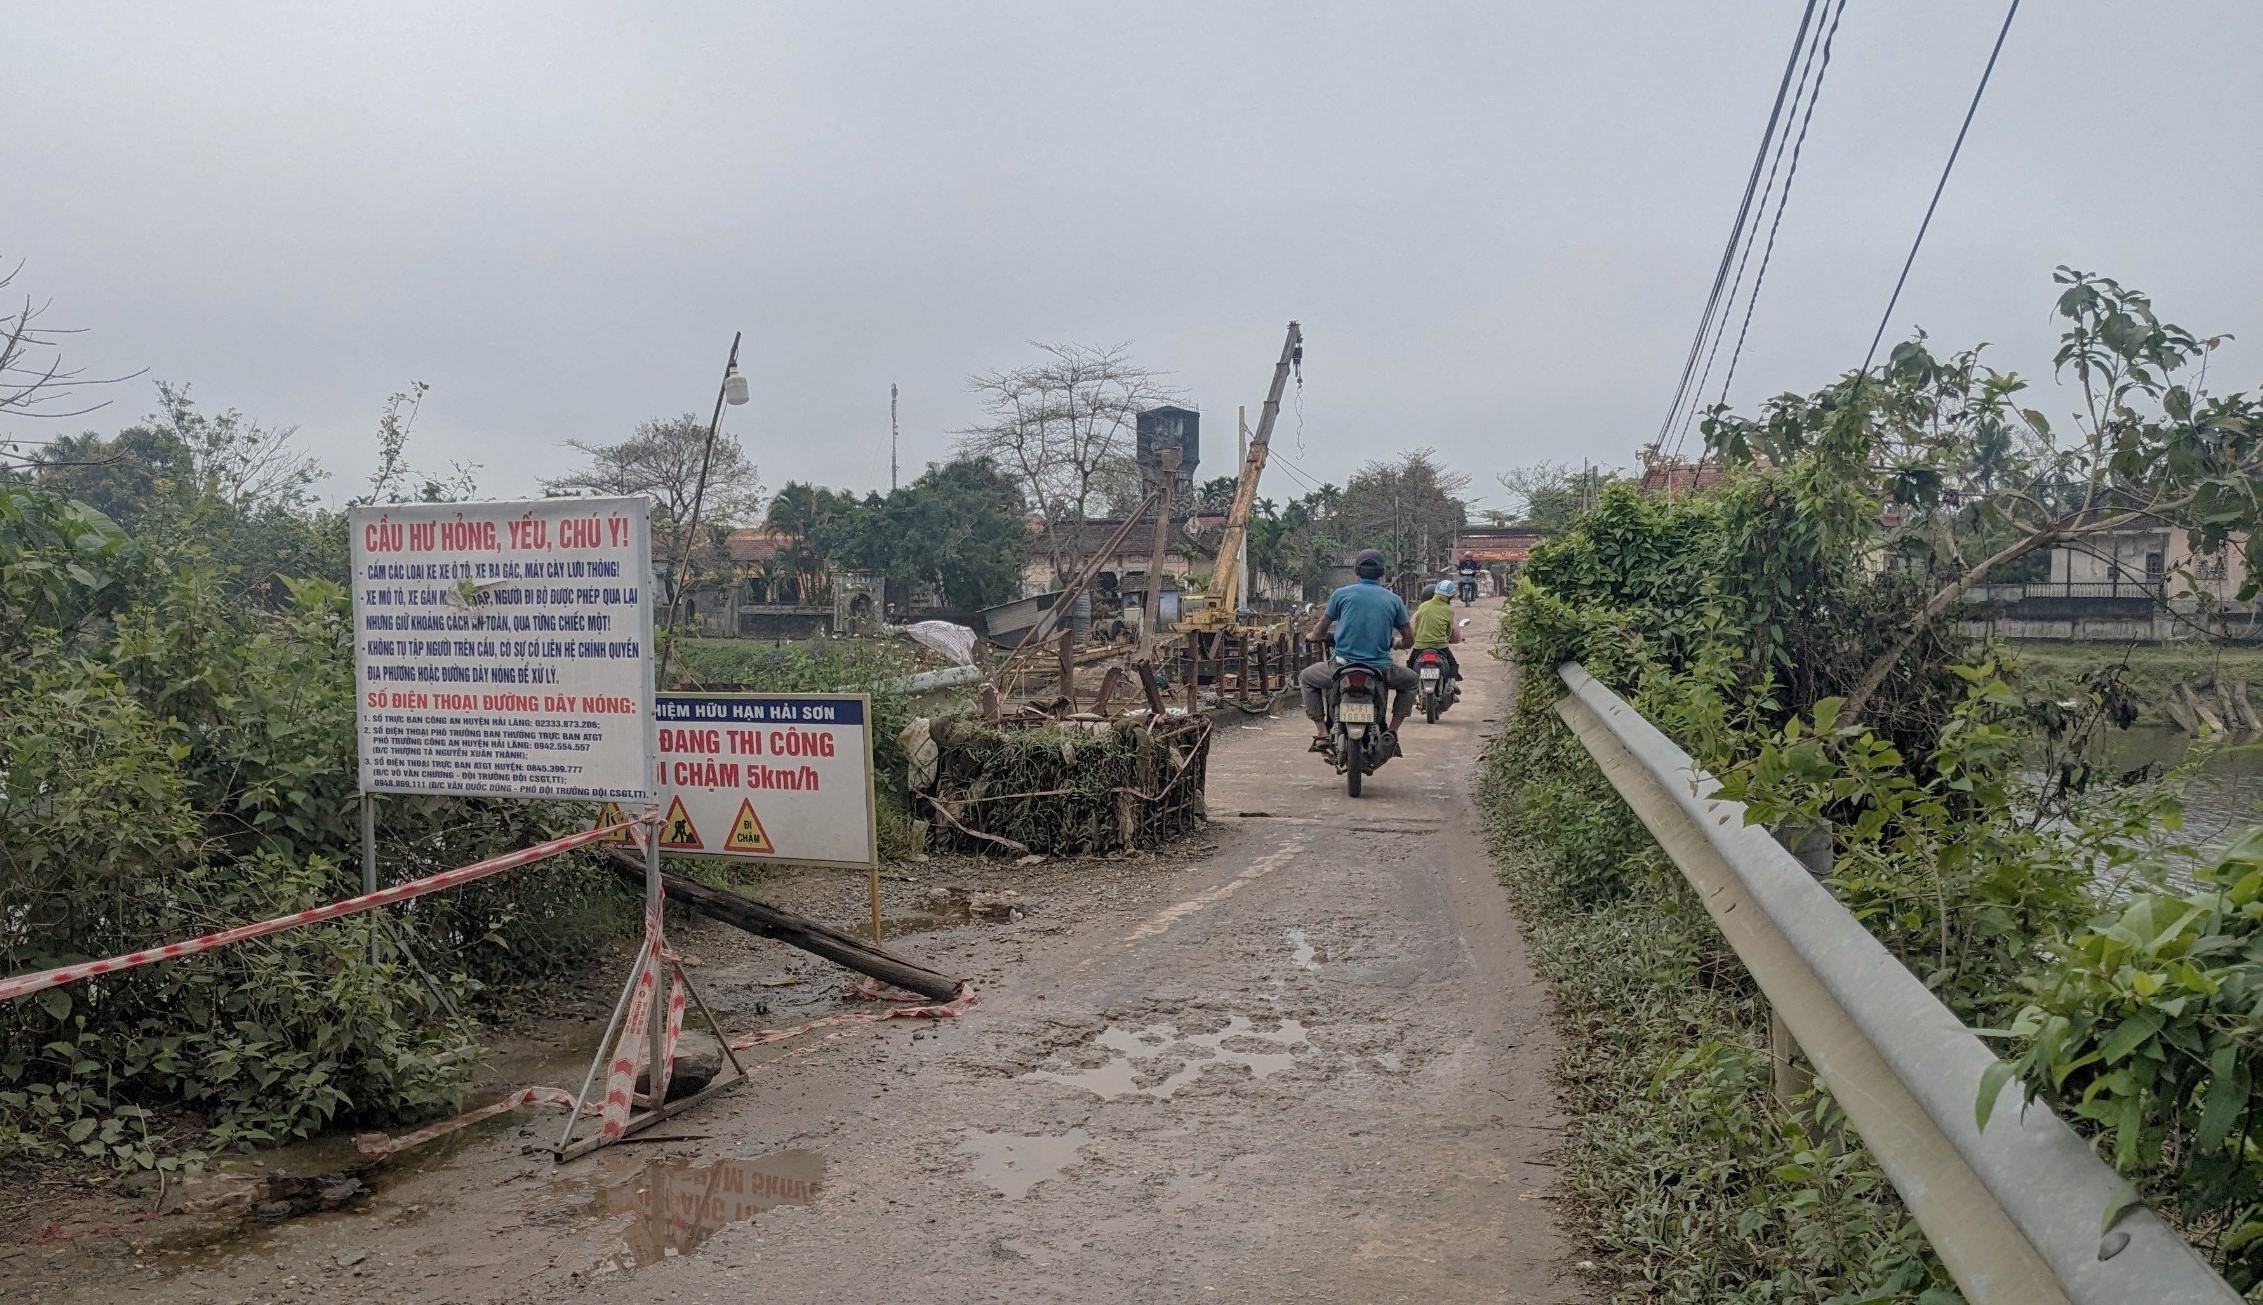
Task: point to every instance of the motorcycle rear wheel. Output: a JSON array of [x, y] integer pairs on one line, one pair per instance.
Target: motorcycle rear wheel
[[1354, 763]]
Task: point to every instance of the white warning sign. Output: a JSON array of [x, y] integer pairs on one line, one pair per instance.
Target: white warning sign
[[777, 777], [504, 649]]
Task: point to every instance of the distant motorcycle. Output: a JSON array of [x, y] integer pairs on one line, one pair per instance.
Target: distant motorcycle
[[1468, 593], [1358, 699]]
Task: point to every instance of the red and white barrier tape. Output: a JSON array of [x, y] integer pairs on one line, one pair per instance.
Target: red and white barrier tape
[[23, 985]]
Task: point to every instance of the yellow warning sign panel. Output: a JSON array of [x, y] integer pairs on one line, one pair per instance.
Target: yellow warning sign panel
[[677, 832], [610, 814], [747, 834]]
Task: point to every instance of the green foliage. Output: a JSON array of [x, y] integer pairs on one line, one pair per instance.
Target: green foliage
[[1547, 495], [959, 528], [1791, 630], [176, 754], [2145, 1027], [1979, 484], [1691, 1184], [235, 493]]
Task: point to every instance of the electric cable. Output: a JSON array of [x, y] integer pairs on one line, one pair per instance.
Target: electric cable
[[1781, 199], [1737, 229], [1939, 186], [1800, 91]]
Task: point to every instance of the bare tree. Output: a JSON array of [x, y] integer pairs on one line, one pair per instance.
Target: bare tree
[[34, 381], [1410, 509], [395, 480], [662, 461], [1062, 428]]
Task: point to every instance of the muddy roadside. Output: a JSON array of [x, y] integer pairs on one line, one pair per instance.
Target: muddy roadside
[[70, 1225]]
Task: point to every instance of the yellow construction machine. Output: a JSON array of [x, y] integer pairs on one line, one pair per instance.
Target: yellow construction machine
[[1228, 581]]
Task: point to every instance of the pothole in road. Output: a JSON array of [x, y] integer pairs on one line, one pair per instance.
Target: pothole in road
[[1158, 1060], [675, 1205], [1013, 1164]]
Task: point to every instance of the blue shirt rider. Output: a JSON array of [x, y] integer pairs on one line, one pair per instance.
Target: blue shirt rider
[[1367, 621]]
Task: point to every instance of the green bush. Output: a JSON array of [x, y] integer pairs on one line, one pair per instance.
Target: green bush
[[1688, 1180], [176, 756]]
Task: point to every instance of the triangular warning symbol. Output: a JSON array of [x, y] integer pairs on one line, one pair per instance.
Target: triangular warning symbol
[[610, 814], [747, 834], [676, 831]]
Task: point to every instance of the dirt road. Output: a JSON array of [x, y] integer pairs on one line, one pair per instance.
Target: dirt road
[[1308, 1064]]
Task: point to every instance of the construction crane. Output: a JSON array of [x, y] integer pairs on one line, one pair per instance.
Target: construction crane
[[1227, 580]]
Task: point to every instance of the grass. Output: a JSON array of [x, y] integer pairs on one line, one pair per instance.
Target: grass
[[1686, 1179], [2150, 663]]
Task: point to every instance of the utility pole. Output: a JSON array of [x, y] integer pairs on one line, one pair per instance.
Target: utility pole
[[891, 437]]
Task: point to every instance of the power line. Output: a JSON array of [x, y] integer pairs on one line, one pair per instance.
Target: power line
[[1802, 90], [1737, 229], [1940, 186], [1782, 199]]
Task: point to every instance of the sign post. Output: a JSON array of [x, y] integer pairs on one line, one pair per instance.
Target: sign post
[[504, 649]]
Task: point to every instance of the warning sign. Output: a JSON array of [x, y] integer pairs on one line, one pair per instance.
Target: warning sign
[[783, 777], [504, 649], [610, 814], [747, 833], [677, 833]]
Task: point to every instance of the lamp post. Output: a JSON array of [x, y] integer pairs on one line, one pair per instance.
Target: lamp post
[[734, 392]]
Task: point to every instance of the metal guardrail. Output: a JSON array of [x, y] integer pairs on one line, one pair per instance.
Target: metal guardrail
[[2014, 1212]]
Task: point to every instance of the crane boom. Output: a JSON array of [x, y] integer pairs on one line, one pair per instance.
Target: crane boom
[[1228, 570]]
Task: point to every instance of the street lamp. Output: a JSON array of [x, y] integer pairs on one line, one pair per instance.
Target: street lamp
[[733, 392]]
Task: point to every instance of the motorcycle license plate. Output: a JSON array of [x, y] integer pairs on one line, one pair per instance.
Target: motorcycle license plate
[[1358, 713], [1429, 675]]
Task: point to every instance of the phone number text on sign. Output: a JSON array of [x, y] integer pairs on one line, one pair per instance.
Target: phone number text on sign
[[785, 777], [504, 649]]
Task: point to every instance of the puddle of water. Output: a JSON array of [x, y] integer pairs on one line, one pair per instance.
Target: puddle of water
[[1134, 1054], [676, 1205], [1390, 1061], [1013, 1164], [1302, 956]]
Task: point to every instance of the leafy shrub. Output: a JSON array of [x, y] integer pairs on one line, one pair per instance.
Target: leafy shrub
[[2145, 1027], [1688, 1179], [176, 756]]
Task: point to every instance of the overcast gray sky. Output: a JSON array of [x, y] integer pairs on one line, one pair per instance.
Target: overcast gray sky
[[1497, 221]]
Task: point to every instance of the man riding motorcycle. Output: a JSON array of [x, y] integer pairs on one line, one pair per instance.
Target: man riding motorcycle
[[1434, 628], [1367, 621], [1467, 570]]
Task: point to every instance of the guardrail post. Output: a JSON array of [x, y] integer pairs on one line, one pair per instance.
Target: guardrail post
[[1811, 846]]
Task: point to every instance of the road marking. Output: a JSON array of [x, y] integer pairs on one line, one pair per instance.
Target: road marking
[[1258, 869]]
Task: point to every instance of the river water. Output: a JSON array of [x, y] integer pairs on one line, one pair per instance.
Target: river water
[[2229, 793]]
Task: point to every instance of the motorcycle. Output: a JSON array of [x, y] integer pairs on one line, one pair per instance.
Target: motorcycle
[[1468, 593], [1358, 699], [1439, 691]]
